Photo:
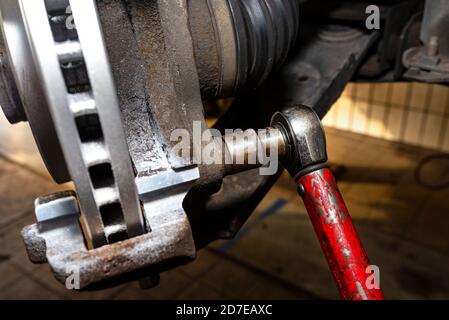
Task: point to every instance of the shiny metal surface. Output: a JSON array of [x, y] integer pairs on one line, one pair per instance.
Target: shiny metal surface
[[104, 94], [69, 51], [45, 56], [84, 154], [159, 183], [30, 89], [58, 231], [304, 132], [56, 206], [246, 150]]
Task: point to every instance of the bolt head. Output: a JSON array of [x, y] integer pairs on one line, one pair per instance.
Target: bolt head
[[306, 140]]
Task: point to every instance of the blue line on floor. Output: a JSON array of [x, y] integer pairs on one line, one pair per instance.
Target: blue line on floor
[[271, 210]]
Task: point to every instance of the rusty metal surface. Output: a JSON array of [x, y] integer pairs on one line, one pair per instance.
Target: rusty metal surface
[[214, 39], [315, 75], [153, 61], [206, 46], [151, 55], [153, 64], [60, 242], [127, 63], [162, 33]]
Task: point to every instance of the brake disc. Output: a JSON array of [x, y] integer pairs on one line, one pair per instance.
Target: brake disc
[[118, 221]]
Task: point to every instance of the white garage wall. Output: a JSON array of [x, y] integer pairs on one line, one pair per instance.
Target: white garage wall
[[412, 113]]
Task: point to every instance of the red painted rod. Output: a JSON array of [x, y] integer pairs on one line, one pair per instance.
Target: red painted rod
[[339, 240]]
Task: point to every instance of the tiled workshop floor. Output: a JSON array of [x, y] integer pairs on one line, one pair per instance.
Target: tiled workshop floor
[[404, 227]]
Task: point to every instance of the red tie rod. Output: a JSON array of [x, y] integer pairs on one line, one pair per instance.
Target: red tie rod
[[306, 160]]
